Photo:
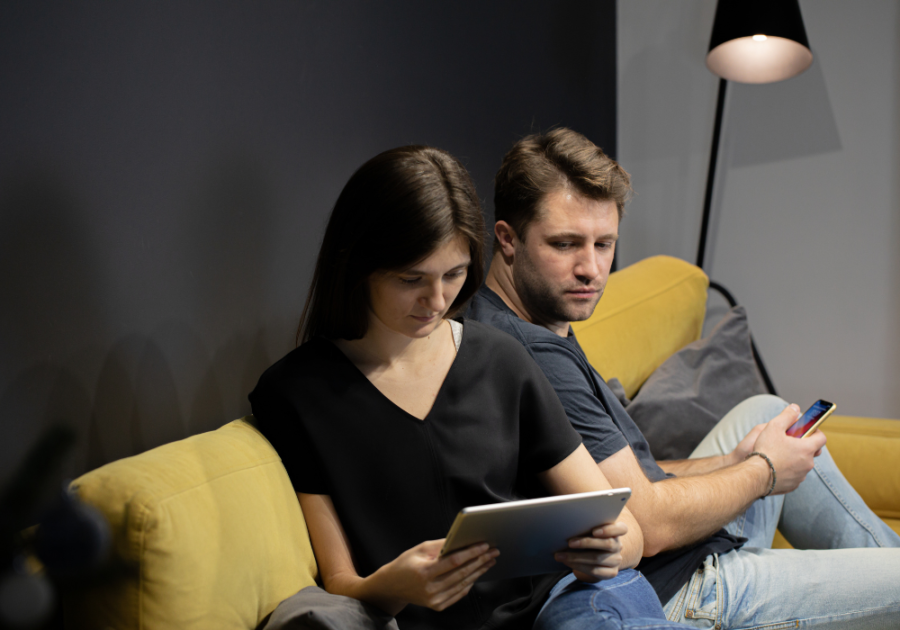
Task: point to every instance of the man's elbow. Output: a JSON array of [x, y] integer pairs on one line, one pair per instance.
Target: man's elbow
[[657, 539]]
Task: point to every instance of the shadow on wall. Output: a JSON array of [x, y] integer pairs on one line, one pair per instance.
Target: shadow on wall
[[50, 321], [143, 399], [126, 390], [193, 374], [781, 121]]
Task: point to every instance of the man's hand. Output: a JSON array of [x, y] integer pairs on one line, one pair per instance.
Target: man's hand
[[792, 457], [747, 445], [598, 556]]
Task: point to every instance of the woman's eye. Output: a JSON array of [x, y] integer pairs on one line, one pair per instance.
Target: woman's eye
[[453, 275], [409, 280]]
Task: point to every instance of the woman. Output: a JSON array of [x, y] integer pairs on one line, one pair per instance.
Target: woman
[[390, 417]]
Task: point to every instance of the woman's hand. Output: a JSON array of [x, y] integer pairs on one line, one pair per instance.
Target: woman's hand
[[421, 576], [598, 556]]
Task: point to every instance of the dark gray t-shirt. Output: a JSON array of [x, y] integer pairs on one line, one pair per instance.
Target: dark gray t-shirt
[[604, 425]]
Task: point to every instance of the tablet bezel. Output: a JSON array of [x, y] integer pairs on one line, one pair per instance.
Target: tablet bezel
[[530, 531]]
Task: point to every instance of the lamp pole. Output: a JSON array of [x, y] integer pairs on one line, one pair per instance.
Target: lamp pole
[[711, 174]]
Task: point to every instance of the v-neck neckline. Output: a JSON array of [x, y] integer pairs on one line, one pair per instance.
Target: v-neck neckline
[[390, 402]]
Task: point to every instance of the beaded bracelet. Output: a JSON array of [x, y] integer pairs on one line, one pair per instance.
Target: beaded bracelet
[[771, 467]]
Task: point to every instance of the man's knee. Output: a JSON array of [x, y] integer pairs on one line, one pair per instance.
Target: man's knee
[[752, 411], [737, 423]]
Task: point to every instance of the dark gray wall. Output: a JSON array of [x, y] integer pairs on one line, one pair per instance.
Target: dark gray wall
[[166, 171]]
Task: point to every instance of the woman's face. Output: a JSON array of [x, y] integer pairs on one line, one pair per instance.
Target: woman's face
[[413, 302]]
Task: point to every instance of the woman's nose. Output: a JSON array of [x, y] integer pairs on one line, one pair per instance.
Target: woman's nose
[[434, 298]]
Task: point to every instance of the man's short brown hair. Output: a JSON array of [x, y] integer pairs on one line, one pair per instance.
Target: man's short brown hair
[[540, 164]]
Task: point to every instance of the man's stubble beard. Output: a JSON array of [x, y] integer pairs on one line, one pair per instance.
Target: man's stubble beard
[[544, 302]]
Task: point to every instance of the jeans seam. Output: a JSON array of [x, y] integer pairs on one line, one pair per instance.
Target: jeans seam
[[693, 603], [851, 511], [719, 594], [680, 598], [777, 625]]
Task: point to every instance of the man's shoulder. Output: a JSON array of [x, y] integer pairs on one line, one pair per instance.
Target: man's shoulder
[[488, 308]]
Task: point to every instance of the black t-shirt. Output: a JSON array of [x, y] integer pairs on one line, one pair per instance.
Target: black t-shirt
[[397, 481], [603, 423]]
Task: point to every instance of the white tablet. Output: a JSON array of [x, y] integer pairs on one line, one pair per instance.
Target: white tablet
[[529, 532]]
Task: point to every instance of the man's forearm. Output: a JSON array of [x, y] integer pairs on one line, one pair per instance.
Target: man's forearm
[[689, 509], [699, 466]]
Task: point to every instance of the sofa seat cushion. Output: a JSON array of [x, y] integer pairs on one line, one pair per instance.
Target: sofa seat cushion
[[207, 532]]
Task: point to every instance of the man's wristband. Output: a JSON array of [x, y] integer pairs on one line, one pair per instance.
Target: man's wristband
[[771, 467]]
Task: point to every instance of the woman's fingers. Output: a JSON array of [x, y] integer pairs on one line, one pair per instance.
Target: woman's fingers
[[458, 583], [596, 574], [612, 530], [595, 557], [447, 580]]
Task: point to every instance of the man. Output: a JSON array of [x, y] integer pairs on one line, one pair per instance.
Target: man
[[707, 528]]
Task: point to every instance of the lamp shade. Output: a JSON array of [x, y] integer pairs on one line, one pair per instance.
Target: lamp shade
[[758, 41]]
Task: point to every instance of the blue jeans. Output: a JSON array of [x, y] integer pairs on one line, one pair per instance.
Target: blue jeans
[[847, 575], [625, 602]]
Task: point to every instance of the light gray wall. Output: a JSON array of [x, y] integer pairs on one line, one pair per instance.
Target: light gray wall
[[807, 208], [166, 170]]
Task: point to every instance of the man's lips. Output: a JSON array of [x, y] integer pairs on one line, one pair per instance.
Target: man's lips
[[583, 292]]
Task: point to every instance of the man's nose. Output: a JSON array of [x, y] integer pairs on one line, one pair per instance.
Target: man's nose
[[588, 265]]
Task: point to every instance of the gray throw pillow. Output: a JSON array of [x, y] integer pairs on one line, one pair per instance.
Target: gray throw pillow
[[688, 394], [315, 609]]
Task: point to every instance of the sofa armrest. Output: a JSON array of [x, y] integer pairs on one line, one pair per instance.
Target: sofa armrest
[[867, 450], [207, 532]]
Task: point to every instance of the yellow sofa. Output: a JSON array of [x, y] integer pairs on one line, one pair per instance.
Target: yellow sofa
[[207, 532]]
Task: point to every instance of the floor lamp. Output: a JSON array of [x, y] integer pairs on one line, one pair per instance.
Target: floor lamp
[[753, 41]]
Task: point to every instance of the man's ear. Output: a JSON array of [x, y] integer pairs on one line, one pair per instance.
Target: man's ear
[[506, 237]]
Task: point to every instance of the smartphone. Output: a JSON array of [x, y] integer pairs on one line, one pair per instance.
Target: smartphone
[[811, 420]]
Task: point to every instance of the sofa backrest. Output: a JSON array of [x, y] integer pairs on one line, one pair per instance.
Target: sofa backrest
[[207, 533], [649, 311]]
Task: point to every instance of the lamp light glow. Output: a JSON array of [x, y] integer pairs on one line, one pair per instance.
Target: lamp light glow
[[758, 41]]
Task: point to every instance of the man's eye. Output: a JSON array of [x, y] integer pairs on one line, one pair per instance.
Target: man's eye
[[563, 245], [604, 245]]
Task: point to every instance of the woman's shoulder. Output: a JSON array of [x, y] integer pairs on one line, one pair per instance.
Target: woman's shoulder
[[310, 359]]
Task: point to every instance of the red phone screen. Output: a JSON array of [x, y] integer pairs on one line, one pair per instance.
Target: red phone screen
[[809, 418]]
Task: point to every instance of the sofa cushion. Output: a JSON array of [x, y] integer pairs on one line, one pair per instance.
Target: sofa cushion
[[207, 532], [865, 449], [649, 310], [694, 388], [315, 609]]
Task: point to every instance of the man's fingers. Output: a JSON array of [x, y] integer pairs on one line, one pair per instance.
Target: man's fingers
[[786, 418], [817, 439]]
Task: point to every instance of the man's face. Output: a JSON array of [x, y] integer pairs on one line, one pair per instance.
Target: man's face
[[561, 268]]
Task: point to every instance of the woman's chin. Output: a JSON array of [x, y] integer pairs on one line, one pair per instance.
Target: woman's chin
[[421, 329]]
